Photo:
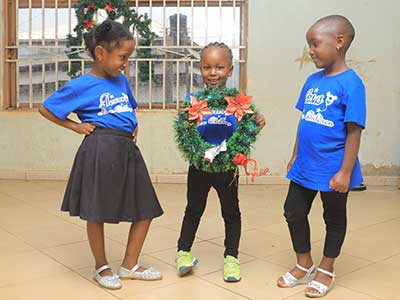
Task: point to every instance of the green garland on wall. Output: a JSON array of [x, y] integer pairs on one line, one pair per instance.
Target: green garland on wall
[[85, 12], [193, 146]]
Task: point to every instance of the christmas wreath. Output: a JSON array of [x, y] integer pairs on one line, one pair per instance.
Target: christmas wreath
[[86, 12], [227, 156]]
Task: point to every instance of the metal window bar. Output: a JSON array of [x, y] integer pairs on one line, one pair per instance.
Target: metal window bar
[[178, 52], [43, 22]]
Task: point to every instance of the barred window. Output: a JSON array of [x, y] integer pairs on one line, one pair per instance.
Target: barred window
[[36, 63]]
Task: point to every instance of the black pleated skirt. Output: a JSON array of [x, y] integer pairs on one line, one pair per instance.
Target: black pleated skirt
[[109, 181]]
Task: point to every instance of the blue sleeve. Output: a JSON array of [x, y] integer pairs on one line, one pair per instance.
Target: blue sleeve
[[129, 92], [355, 102], [62, 102], [302, 97]]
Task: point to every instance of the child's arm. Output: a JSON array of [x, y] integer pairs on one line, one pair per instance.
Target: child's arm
[[294, 154], [135, 134], [81, 128], [340, 182]]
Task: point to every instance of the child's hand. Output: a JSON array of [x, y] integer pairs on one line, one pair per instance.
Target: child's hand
[[84, 128], [260, 119], [340, 182], [134, 134], [290, 163]]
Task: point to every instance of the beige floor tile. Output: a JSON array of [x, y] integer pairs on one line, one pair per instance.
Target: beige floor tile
[[259, 243], [375, 242], [27, 266], [9, 244], [393, 260], [64, 286], [54, 236], [193, 289], [337, 293], [134, 287], [24, 218], [78, 255], [210, 257], [7, 201], [377, 280], [209, 228], [258, 281]]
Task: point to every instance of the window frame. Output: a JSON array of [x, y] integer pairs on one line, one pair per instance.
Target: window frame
[[10, 48]]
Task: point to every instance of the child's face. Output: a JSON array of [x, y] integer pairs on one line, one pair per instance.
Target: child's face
[[215, 67], [114, 62], [322, 44]]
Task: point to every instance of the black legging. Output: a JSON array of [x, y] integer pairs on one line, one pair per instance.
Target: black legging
[[297, 207], [198, 185]]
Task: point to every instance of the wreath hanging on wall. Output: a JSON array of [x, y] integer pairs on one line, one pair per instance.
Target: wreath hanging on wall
[[86, 10], [229, 154]]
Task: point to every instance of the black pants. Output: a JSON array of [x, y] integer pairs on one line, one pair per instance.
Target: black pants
[[198, 185], [297, 207]]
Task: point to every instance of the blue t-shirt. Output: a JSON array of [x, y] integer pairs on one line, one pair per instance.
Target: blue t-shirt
[[216, 127], [108, 103], [327, 103]]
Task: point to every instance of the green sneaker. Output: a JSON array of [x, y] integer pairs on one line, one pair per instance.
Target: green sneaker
[[185, 262], [231, 269]]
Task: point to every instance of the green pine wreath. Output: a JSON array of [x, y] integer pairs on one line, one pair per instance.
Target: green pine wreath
[[85, 11], [193, 146]]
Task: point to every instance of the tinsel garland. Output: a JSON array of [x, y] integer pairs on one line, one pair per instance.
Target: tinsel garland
[[193, 146], [85, 11]]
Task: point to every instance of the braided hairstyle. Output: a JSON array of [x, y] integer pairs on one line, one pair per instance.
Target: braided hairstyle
[[218, 45], [108, 34]]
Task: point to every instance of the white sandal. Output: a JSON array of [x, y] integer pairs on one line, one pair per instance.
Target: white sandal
[[109, 282], [291, 281], [148, 274], [321, 288]]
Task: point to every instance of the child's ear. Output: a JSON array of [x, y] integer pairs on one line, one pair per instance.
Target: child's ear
[[339, 41], [99, 52], [230, 71]]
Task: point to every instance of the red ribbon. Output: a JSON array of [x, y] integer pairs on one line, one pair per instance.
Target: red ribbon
[[242, 160]]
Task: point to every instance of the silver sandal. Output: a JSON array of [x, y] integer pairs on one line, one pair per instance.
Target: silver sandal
[[321, 288], [109, 282], [148, 274], [291, 281]]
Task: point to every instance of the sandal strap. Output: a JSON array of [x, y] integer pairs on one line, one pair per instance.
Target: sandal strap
[[289, 279], [318, 286], [102, 268], [330, 274], [135, 268], [305, 269]]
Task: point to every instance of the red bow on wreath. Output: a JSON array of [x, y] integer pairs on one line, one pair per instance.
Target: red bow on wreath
[[90, 6], [109, 7], [89, 23], [242, 160], [198, 110], [238, 106]]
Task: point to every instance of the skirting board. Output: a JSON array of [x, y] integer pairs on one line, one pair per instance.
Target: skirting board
[[179, 178]]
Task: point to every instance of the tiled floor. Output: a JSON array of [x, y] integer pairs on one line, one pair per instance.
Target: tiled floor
[[44, 253]]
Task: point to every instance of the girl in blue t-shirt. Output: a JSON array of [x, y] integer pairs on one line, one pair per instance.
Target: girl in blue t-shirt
[[109, 181], [216, 67], [324, 158]]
